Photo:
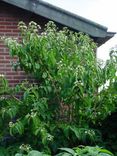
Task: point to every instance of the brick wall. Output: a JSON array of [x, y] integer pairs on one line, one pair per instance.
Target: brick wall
[[9, 18]]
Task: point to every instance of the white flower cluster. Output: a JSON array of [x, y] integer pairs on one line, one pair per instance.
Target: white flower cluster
[[2, 76], [3, 98], [25, 147], [49, 137]]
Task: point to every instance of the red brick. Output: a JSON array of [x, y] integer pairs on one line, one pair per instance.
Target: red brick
[[5, 69], [11, 26], [2, 26], [16, 30], [5, 23], [11, 34], [9, 18], [12, 73]]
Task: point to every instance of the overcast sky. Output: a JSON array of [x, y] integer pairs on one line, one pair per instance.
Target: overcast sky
[[103, 12]]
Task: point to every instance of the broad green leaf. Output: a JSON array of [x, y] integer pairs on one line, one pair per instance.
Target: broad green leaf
[[69, 150], [35, 153], [105, 151], [18, 154]]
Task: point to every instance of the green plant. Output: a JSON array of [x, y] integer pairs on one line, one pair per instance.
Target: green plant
[[108, 130], [72, 135], [84, 151], [25, 150], [67, 99], [69, 75], [25, 119], [3, 84]]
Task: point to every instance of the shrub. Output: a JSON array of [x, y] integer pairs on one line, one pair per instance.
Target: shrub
[[69, 75], [85, 151], [67, 101]]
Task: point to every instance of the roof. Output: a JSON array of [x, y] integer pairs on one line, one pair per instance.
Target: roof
[[98, 32]]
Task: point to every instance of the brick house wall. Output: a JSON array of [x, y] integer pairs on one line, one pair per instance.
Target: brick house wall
[[9, 18]]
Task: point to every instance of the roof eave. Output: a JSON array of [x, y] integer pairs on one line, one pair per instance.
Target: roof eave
[[101, 41], [63, 17]]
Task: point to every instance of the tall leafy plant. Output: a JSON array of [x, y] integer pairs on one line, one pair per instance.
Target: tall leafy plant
[[69, 75], [70, 94]]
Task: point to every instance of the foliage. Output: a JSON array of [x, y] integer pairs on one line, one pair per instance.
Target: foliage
[[109, 132], [69, 75], [25, 150], [30, 117], [70, 96], [3, 84], [30, 152], [109, 126], [25, 118], [72, 135], [84, 151]]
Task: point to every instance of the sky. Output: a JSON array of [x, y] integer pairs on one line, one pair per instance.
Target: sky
[[103, 12]]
